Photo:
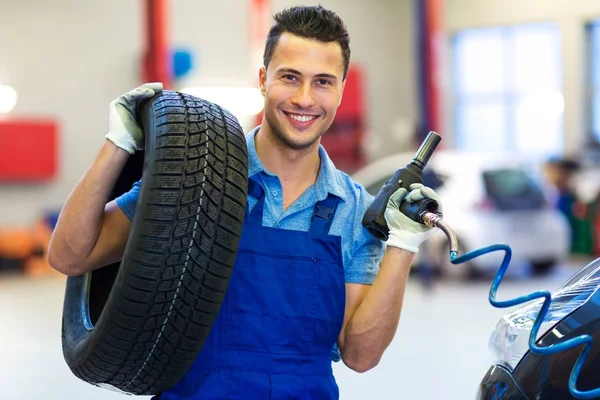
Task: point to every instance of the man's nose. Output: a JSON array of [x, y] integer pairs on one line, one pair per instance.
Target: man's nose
[[304, 96]]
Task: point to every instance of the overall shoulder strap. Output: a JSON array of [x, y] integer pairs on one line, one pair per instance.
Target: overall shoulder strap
[[255, 190], [323, 214]]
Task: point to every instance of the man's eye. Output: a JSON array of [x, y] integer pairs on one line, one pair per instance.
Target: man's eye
[[289, 77], [324, 82]]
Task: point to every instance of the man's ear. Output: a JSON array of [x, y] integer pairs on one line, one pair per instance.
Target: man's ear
[[262, 80], [342, 93]]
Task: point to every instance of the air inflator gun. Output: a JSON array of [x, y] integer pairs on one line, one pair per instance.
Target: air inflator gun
[[374, 218]]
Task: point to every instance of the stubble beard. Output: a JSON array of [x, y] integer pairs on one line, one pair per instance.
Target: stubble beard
[[286, 142]]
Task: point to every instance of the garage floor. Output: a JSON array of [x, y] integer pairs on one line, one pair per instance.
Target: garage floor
[[440, 350]]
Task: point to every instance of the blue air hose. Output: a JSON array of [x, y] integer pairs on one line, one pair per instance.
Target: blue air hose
[[549, 350]]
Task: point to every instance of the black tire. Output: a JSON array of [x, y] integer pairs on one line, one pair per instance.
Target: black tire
[[138, 325]]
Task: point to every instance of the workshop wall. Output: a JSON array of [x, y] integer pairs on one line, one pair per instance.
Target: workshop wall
[[571, 18], [68, 60]]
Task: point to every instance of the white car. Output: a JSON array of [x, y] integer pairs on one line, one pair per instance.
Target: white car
[[487, 200]]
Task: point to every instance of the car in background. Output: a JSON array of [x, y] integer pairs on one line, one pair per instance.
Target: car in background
[[487, 199]]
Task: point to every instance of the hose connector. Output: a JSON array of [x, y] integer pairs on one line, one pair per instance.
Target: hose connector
[[435, 220], [430, 219]]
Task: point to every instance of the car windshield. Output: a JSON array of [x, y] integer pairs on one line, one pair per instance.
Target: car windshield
[[512, 189]]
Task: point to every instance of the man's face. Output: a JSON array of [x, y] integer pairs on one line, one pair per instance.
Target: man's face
[[303, 87]]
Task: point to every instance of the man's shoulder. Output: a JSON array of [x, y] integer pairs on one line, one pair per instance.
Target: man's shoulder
[[350, 190], [340, 183]]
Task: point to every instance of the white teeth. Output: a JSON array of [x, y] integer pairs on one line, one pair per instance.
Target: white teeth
[[302, 118]]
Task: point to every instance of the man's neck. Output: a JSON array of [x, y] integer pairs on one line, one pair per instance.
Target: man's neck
[[296, 167]]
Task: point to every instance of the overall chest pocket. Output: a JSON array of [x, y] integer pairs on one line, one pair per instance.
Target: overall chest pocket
[[272, 304]]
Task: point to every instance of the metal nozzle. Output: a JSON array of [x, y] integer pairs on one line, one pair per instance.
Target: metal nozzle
[[426, 150], [434, 220]]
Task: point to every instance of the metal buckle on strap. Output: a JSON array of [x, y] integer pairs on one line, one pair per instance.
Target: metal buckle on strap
[[322, 212]]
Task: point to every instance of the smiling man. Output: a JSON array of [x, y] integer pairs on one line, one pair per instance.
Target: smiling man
[[302, 85], [310, 283]]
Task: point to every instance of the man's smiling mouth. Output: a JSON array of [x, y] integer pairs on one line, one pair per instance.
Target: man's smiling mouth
[[301, 118]]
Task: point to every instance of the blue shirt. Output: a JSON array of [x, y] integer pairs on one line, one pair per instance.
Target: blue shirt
[[361, 252]]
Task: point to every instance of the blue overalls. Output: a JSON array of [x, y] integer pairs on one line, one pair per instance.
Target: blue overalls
[[281, 316]]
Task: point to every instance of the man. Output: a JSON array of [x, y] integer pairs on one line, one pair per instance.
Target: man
[[283, 313]]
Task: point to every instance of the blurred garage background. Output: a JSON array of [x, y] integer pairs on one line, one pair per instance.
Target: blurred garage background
[[513, 87]]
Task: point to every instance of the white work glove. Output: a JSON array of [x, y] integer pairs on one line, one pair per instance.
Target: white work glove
[[123, 128], [404, 232]]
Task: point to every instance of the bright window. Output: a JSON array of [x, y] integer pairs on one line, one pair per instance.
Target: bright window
[[593, 51], [507, 89]]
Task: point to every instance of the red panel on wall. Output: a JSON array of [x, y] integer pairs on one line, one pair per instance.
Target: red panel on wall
[[28, 150], [352, 107], [345, 139]]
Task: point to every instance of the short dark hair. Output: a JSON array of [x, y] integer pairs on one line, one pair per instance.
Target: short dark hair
[[312, 22]]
